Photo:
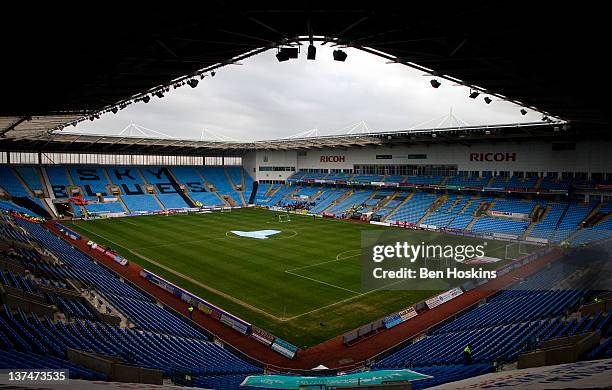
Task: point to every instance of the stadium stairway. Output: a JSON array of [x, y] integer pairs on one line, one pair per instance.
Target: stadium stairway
[[593, 217], [339, 200], [472, 222], [563, 214], [399, 205], [175, 184], [46, 182], [465, 206], [70, 181], [109, 188], [241, 195], [122, 203], [527, 232], [234, 186], [228, 200], [434, 206], [484, 206], [31, 179], [272, 190], [538, 182], [154, 195], [382, 198], [383, 202]]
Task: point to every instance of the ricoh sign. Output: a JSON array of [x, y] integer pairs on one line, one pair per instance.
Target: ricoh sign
[[493, 157], [332, 159]]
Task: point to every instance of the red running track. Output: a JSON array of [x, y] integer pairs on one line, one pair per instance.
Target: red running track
[[332, 353]]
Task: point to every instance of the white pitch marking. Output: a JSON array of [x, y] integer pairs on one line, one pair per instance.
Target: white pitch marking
[[322, 282]]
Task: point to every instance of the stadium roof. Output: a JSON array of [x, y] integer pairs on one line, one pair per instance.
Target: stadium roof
[[89, 143], [76, 63]]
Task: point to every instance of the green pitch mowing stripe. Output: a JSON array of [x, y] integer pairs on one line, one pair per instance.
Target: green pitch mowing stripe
[[302, 285]]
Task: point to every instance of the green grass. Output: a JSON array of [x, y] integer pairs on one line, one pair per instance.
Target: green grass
[[289, 284]]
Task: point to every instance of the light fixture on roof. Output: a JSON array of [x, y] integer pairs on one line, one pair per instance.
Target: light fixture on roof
[[487, 132], [544, 118], [146, 98], [523, 111], [435, 83], [282, 56], [434, 135], [312, 52], [159, 94], [114, 110], [487, 100], [284, 53], [193, 83], [474, 94], [213, 73], [339, 55]]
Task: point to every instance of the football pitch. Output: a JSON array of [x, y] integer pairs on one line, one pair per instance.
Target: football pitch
[[302, 284]]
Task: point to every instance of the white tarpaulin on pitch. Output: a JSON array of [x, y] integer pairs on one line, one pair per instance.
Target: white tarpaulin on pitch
[[259, 234]]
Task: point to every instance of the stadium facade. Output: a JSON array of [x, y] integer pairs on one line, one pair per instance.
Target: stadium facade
[[529, 158]]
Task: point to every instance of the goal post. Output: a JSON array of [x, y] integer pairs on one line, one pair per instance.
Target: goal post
[[282, 218], [226, 209], [516, 250]]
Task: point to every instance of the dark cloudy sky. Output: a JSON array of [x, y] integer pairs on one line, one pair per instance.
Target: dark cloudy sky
[[265, 99]]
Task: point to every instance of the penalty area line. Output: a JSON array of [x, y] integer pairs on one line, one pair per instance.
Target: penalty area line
[[322, 282], [359, 295], [328, 261]]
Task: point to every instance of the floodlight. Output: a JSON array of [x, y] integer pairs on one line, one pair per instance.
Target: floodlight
[[312, 52], [435, 83], [340, 55]]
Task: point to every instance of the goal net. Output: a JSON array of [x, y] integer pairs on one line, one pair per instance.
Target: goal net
[[226, 209], [282, 218], [516, 250]]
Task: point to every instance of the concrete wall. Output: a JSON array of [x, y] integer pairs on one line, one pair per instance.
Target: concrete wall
[[522, 157], [249, 163], [275, 158], [115, 369], [588, 156]]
